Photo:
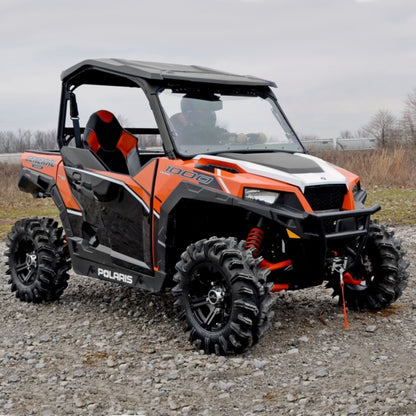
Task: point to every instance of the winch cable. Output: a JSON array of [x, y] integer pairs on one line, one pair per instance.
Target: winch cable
[[344, 306]]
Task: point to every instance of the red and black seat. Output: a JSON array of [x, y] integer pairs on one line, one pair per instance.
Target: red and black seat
[[116, 148]]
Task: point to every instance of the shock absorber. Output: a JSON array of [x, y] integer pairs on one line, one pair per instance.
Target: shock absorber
[[254, 239]]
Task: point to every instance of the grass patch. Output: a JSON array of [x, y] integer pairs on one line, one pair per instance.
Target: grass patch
[[398, 205], [25, 206]]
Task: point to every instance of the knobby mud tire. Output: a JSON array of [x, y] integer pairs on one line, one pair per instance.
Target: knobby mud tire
[[37, 260], [384, 275], [222, 295]]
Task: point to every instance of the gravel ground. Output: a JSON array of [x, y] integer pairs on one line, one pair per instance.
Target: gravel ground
[[107, 350]]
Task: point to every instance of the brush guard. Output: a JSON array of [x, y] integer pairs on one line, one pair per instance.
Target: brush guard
[[349, 225]]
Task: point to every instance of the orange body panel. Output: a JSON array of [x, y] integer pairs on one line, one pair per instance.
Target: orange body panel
[[172, 172], [51, 165], [43, 163]]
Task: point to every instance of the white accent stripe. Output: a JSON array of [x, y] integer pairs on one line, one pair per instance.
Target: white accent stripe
[[73, 212]]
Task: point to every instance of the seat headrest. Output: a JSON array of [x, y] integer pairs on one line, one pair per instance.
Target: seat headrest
[[102, 131]]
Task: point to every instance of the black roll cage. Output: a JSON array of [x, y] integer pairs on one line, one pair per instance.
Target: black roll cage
[[151, 84]]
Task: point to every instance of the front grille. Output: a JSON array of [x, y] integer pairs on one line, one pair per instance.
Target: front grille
[[325, 197]]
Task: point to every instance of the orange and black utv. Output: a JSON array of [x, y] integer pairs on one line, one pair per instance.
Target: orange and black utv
[[183, 177]]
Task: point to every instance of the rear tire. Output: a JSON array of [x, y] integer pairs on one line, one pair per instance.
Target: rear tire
[[37, 260], [383, 273], [222, 295]]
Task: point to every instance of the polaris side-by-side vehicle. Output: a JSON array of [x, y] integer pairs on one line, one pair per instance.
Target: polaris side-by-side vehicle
[[183, 177]]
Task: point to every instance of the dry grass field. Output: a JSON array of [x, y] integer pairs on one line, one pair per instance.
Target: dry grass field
[[378, 168], [389, 176]]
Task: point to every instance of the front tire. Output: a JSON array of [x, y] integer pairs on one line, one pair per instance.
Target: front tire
[[382, 273], [37, 260], [222, 295]]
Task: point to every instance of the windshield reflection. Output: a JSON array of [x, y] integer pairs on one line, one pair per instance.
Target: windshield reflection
[[215, 123]]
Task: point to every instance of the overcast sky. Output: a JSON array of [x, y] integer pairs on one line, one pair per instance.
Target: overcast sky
[[336, 62]]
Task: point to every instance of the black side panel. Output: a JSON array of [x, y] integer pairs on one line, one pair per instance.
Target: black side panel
[[35, 183], [104, 264], [81, 158], [113, 215]]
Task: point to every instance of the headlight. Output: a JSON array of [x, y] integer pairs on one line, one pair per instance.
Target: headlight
[[281, 200], [261, 195]]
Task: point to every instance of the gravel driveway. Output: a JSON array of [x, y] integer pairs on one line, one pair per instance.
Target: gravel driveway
[[107, 350]]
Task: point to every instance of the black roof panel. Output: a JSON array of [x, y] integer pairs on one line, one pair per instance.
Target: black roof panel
[[162, 71]]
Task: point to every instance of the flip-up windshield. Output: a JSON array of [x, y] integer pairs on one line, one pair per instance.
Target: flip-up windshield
[[215, 123]]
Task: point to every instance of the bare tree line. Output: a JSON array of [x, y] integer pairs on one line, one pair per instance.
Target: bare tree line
[[390, 130], [21, 140]]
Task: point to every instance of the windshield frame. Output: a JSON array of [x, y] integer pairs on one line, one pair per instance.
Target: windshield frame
[[264, 93]]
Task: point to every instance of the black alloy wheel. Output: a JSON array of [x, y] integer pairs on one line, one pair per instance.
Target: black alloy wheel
[[222, 295], [37, 259]]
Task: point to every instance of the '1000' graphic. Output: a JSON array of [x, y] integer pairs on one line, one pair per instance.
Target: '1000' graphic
[[200, 178]]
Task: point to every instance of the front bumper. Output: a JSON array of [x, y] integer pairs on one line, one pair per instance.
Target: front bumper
[[314, 237], [328, 225]]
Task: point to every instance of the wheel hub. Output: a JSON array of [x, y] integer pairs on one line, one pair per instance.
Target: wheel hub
[[216, 295], [31, 260]]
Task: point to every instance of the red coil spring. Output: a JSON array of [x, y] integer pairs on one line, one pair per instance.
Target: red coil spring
[[254, 239]]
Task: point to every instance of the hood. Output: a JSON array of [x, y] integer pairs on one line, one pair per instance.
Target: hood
[[297, 169]]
